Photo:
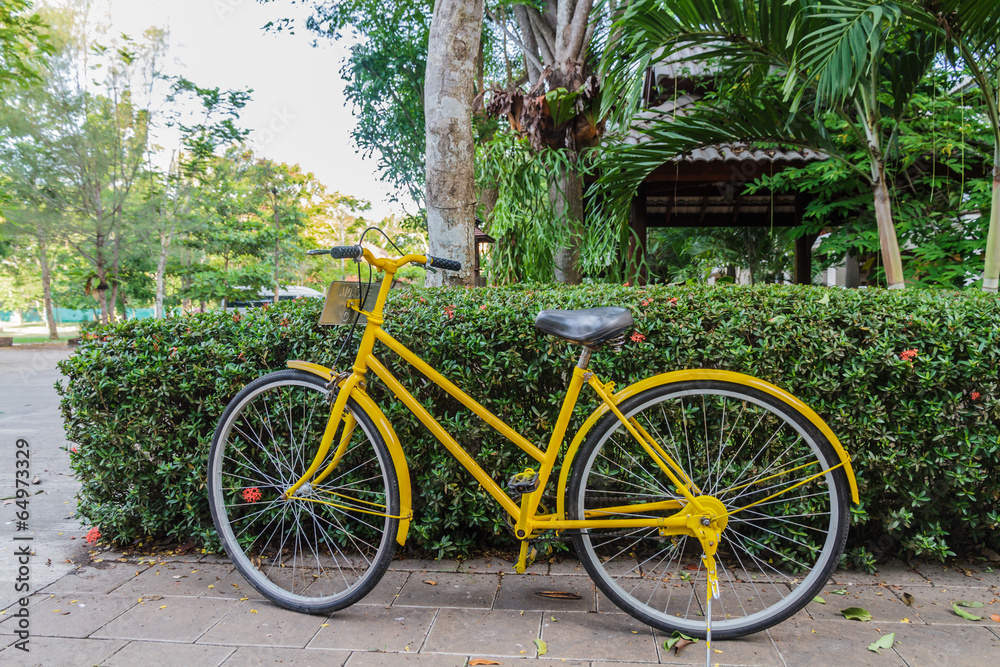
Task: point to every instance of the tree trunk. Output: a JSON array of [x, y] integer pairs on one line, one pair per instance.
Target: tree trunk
[[883, 204], [161, 270], [567, 198], [50, 316], [451, 189], [887, 232], [991, 271]]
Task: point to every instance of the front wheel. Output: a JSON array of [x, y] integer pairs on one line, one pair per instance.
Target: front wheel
[[326, 546], [741, 446]]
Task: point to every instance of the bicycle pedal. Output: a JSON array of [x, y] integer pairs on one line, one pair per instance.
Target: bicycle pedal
[[523, 482], [526, 557]]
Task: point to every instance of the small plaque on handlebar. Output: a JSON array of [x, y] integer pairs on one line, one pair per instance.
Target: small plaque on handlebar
[[340, 296]]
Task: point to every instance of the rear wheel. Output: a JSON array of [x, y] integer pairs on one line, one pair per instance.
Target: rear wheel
[[741, 446], [326, 547]]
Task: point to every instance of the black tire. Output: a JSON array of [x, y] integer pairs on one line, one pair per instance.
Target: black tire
[[731, 440], [301, 554]]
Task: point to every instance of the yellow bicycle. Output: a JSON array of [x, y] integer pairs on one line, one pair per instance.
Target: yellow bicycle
[[683, 484]]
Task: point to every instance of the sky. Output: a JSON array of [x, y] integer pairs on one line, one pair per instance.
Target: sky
[[298, 113]]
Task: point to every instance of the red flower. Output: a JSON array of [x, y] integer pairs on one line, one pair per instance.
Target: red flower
[[627, 284], [482, 307], [638, 337], [93, 535], [236, 317], [74, 448], [672, 301], [449, 310], [976, 395], [252, 494], [644, 302], [908, 355]]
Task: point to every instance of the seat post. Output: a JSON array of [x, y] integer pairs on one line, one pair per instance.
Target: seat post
[[584, 358]]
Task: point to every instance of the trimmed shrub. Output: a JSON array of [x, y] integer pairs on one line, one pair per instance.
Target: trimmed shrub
[[907, 380]]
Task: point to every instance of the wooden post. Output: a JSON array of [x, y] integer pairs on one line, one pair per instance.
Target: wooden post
[[637, 237], [803, 259]]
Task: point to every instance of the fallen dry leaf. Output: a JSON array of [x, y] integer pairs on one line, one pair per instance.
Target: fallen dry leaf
[[431, 582], [483, 661], [907, 599], [558, 595], [995, 617], [541, 647]]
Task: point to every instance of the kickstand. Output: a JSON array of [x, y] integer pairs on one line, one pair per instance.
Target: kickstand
[[712, 591]]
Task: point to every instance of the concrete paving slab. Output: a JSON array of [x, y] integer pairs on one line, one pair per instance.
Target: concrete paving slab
[[176, 579], [757, 649], [968, 646], [49, 651], [520, 592], [387, 589], [95, 578], [960, 574], [255, 623], [595, 637], [71, 614], [256, 657], [934, 605], [894, 571], [880, 602], [817, 642], [364, 627], [232, 586], [449, 590], [171, 619], [163, 654], [424, 565], [485, 565], [404, 660], [567, 566], [495, 632]]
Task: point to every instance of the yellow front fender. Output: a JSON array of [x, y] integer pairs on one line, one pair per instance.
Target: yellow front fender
[[388, 434], [705, 374]]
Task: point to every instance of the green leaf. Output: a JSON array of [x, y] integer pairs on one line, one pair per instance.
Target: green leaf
[[819, 599], [966, 615], [676, 637], [885, 641], [541, 647], [840, 592], [856, 614], [972, 605]]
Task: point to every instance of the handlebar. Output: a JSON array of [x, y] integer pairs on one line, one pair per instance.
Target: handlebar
[[357, 252]]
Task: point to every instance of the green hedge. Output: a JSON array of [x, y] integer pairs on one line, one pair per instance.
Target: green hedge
[[141, 399]]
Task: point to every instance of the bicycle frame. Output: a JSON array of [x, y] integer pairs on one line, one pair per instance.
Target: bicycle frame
[[524, 514]]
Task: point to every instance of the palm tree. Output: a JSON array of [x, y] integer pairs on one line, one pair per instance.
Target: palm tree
[[838, 56], [973, 31]]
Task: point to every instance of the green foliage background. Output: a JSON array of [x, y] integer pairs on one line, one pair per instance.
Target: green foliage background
[[141, 398]]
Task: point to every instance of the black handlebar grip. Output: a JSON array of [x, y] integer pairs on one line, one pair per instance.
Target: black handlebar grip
[[346, 251], [444, 264]]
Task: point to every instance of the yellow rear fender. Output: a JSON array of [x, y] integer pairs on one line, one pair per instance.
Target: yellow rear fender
[[384, 427], [706, 374]]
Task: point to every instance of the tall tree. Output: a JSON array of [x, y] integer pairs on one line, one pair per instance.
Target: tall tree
[[451, 185], [23, 44], [973, 31]]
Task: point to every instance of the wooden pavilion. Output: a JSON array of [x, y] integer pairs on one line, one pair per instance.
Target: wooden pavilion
[[704, 188]]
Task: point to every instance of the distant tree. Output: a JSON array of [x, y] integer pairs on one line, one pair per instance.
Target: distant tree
[[23, 44]]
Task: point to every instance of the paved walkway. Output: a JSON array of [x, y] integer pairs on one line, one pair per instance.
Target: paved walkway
[[189, 610]]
